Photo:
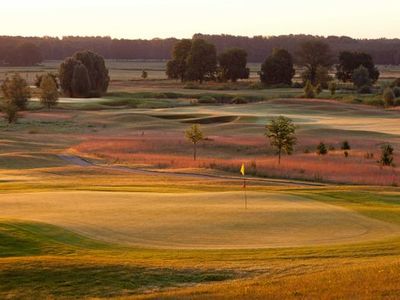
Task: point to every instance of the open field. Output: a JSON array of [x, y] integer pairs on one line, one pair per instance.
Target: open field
[[101, 198]]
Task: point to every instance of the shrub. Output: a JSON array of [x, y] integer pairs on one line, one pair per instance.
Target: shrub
[[332, 88], [309, 91], [388, 97], [386, 155], [318, 89], [206, 99], [239, 100], [321, 149], [345, 146], [297, 85], [366, 89]]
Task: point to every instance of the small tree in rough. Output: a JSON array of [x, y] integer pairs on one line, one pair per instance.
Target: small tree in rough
[[10, 112], [281, 133], [321, 149], [16, 91], [144, 74], [387, 155], [388, 97], [332, 88], [49, 92], [194, 135], [345, 145], [309, 90]]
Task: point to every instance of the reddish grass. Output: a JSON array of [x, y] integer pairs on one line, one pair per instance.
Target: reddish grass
[[228, 153]]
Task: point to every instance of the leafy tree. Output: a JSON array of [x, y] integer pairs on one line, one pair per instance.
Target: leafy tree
[[322, 77], [278, 68], [66, 73], [80, 84], [10, 112], [388, 97], [96, 69], [144, 74], [361, 77], [232, 65], [350, 61], [194, 135], [48, 91], [202, 61], [281, 133], [387, 155], [314, 54], [16, 91], [321, 149], [177, 66], [309, 90], [345, 145], [38, 79]]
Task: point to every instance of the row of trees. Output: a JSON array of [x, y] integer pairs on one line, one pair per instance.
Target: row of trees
[[16, 93], [384, 51], [281, 132], [197, 60]]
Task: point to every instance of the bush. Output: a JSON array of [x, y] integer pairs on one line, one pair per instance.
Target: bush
[[297, 85], [345, 146], [206, 99], [388, 97], [395, 83], [239, 100], [309, 91], [387, 155], [321, 149], [10, 112], [318, 89], [332, 88], [16, 91]]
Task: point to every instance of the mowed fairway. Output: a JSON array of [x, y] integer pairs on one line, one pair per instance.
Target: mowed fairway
[[197, 220]]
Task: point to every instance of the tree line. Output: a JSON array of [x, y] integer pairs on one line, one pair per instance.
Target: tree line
[[22, 50]]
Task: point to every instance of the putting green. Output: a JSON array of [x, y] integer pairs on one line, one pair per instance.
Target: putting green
[[197, 220]]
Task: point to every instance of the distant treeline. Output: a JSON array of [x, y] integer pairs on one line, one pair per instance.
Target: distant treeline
[[13, 50]]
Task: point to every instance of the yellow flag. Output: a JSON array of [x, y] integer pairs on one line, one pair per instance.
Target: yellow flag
[[242, 170]]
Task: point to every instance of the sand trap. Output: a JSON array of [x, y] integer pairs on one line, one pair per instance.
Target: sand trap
[[199, 220]]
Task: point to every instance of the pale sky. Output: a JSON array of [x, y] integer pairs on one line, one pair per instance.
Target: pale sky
[[182, 18]]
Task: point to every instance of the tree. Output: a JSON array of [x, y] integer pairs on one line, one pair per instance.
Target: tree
[[388, 97], [361, 77], [10, 112], [96, 69], [321, 149], [48, 91], [80, 84], [38, 79], [278, 68], [202, 61], [309, 90], [144, 74], [314, 54], [387, 155], [350, 61], [177, 66], [16, 91], [345, 146], [281, 133], [332, 88], [194, 135], [232, 65]]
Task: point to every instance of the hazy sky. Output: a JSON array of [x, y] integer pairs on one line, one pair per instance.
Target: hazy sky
[[183, 18]]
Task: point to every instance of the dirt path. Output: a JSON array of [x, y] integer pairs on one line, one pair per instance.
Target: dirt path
[[76, 160]]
